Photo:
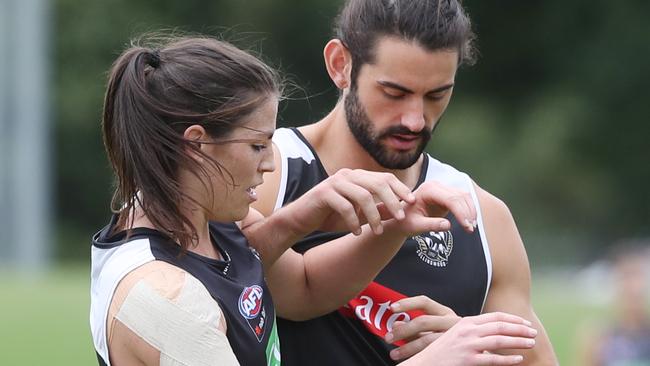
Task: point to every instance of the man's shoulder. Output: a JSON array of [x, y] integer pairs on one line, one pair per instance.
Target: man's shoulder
[[291, 144], [434, 169]]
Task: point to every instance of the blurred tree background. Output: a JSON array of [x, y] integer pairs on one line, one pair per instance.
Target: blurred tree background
[[553, 118]]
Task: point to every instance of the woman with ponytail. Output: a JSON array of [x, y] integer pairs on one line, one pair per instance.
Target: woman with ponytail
[[178, 275]]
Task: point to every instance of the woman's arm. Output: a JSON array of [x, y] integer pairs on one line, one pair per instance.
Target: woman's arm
[[321, 280], [160, 314]]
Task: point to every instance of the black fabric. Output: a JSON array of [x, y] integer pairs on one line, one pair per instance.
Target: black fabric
[[226, 280], [100, 360], [335, 339]]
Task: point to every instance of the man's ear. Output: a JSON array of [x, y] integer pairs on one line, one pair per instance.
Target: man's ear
[[338, 62]]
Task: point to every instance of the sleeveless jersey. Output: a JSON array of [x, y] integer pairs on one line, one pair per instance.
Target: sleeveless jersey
[[452, 267], [235, 283]]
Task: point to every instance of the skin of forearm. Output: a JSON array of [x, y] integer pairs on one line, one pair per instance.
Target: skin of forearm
[[273, 235], [337, 271]]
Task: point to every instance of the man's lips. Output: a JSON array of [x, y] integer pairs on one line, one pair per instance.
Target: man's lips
[[403, 141]]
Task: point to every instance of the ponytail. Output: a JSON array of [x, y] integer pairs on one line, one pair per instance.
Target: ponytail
[[153, 94]]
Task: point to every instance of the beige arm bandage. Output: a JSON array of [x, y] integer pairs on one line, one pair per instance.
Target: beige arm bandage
[[185, 329]]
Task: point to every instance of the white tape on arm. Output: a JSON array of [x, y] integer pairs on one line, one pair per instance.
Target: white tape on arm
[[184, 330]]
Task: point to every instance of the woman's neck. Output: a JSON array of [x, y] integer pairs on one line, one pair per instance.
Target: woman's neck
[[202, 246]]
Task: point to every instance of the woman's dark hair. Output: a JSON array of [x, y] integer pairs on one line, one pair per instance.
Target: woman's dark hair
[[158, 88], [433, 24]]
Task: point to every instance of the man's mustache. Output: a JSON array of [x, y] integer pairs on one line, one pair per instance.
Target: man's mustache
[[401, 130]]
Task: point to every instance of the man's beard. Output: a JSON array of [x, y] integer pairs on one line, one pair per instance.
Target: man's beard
[[371, 140]]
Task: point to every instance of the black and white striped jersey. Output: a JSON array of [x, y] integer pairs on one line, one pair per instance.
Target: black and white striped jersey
[[453, 268], [236, 283]]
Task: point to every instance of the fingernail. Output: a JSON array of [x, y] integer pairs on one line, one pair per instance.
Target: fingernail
[[411, 197], [357, 231], [519, 358], [475, 224], [400, 214], [395, 307], [389, 337], [527, 322], [533, 332], [394, 354], [530, 342]]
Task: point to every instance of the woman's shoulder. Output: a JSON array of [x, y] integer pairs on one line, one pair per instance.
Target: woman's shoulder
[[154, 306]]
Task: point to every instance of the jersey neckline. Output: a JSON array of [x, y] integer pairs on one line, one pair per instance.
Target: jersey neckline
[[105, 240], [321, 167]]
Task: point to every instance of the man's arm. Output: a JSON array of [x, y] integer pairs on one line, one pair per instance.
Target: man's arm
[[511, 280], [321, 280], [326, 276]]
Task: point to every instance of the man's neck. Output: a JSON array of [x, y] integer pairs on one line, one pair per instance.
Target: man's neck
[[337, 148]]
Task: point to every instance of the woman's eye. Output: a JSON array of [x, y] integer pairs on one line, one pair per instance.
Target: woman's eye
[[258, 147]]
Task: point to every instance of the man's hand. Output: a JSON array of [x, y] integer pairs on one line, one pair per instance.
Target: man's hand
[[349, 199], [470, 341], [422, 330], [433, 201]]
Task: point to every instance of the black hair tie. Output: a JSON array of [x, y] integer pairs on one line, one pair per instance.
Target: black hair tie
[[154, 59]]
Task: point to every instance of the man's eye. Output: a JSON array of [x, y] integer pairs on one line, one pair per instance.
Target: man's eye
[[392, 94], [437, 96]]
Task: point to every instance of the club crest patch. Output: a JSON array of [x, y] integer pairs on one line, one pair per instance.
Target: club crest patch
[[252, 309], [434, 248]]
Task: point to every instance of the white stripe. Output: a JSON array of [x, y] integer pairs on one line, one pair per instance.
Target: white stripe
[[450, 176], [290, 146], [284, 172], [109, 266], [484, 241]]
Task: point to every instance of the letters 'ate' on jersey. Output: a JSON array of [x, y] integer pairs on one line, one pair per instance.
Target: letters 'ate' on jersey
[[236, 283], [453, 268]]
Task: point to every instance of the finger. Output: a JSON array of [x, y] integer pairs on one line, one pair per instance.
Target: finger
[[505, 328], [461, 209], [498, 316], [489, 359], [386, 189], [470, 223], [421, 324], [473, 212], [398, 188], [363, 200], [497, 343], [413, 347], [385, 213], [423, 303], [346, 211], [422, 224], [454, 201]]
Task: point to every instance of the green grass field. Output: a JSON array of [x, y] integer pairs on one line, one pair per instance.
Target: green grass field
[[44, 321]]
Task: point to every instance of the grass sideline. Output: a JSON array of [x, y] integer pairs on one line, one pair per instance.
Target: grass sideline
[[44, 320]]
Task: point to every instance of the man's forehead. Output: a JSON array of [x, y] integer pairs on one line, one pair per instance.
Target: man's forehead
[[411, 65]]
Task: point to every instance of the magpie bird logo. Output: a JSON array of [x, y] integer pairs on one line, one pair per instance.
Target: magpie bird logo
[[434, 248]]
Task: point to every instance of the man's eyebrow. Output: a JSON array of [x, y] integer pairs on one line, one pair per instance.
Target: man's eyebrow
[[390, 84]]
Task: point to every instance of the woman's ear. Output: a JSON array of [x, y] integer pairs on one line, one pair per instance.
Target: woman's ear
[[338, 62], [197, 134]]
